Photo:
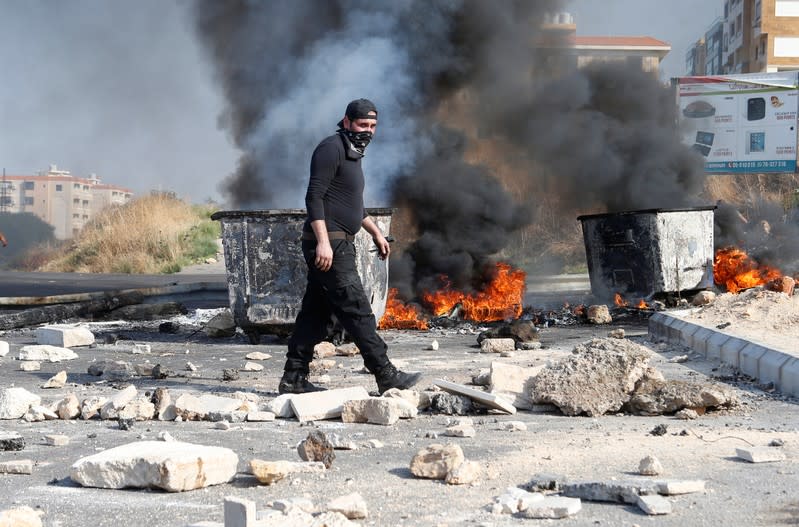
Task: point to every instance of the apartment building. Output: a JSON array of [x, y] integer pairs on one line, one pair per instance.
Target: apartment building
[[754, 36], [60, 199], [560, 32]]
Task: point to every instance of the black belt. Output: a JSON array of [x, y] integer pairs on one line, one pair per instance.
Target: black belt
[[334, 235]]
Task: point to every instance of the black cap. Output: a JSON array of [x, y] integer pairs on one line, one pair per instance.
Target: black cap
[[359, 109]]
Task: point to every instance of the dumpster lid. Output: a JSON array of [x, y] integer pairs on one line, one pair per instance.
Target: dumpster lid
[[221, 214], [643, 211]]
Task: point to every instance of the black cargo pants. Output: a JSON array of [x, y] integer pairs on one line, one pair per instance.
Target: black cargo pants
[[338, 291]]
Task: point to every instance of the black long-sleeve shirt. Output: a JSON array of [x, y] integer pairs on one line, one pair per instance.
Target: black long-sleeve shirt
[[335, 190]]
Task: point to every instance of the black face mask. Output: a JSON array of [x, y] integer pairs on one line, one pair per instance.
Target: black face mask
[[359, 140]]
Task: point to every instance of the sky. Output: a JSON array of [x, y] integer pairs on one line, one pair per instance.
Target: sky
[[120, 89]]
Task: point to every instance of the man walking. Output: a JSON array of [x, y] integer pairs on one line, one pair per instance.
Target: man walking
[[334, 202]]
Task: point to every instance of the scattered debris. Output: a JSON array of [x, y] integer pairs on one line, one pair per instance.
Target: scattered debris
[[659, 430], [21, 517], [64, 336], [220, 326], [269, 472], [451, 404], [30, 365], [316, 447], [486, 399], [655, 397], [679, 359], [353, 506], [551, 507], [415, 398], [258, 355], [764, 454], [433, 345], [703, 298], [11, 441], [315, 406], [4, 348], [616, 333], [377, 410], [653, 504], [260, 417], [252, 366], [173, 466], [650, 466], [347, 350], [514, 383], [514, 426], [324, 349], [230, 374], [46, 353], [464, 474], [497, 345], [56, 440], [520, 330], [436, 461], [16, 466], [14, 402], [687, 414], [599, 314]]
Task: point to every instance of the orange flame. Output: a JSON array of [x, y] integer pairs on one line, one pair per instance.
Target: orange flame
[[736, 270], [399, 315], [500, 299], [642, 305], [620, 301]]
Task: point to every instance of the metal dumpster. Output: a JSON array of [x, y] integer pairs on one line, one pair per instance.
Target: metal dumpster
[[266, 272], [644, 252]]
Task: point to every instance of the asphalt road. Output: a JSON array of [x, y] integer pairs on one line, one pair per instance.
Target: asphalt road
[[581, 448]]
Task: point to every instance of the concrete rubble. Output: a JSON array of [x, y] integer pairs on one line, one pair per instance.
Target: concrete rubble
[[23, 516], [761, 454], [11, 441], [269, 472], [650, 466], [599, 314], [353, 506], [486, 399], [436, 461], [377, 410], [17, 466], [64, 336], [56, 381], [497, 345], [45, 353], [512, 382], [316, 447], [4, 348], [14, 402], [315, 406], [173, 466]]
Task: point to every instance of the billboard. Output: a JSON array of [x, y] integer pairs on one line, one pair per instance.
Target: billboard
[[741, 123]]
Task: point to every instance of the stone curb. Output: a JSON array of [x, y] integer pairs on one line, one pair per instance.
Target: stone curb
[[765, 364]]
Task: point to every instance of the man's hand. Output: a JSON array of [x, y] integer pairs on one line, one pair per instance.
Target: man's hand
[[382, 245], [324, 256]]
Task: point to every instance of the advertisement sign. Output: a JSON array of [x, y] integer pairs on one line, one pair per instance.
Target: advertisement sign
[[741, 123]]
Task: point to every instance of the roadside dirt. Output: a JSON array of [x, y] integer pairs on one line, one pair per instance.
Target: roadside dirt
[[756, 314]]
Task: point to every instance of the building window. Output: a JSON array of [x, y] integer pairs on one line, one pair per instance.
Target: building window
[[85, 187], [76, 216], [76, 186], [58, 188], [76, 201], [27, 200], [85, 203], [85, 216], [28, 185]]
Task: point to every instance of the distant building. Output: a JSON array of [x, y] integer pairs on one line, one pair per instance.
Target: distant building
[[695, 58], [756, 36], [65, 202], [560, 32]]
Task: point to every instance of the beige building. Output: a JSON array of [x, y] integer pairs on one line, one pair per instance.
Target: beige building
[[761, 36], [560, 32], [65, 202]]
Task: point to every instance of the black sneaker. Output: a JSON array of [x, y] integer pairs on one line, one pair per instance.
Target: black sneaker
[[295, 381], [390, 377]]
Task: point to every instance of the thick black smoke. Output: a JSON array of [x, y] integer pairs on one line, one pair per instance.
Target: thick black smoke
[[444, 75]]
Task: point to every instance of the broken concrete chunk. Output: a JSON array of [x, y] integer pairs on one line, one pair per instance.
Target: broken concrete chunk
[[353, 506], [4, 348], [450, 404], [15, 402], [17, 466], [324, 350], [598, 377], [260, 417], [546, 481], [172, 466], [252, 366], [460, 430], [56, 440], [703, 298], [675, 487], [599, 314], [30, 365], [347, 350], [616, 333], [464, 474], [258, 355], [328, 404], [220, 326], [377, 410], [486, 399], [653, 397], [552, 507], [514, 426], [654, 505], [290, 504], [222, 425], [340, 443], [687, 414], [192, 408], [11, 441], [39, 413], [64, 336], [316, 447], [435, 461], [497, 345], [112, 370], [138, 410], [483, 377], [56, 381], [164, 409], [513, 383], [419, 400], [613, 491], [650, 466], [90, 407], [281, 406], [118, 401], [21, 517], [46, 353], [268, 472], [760, 454]]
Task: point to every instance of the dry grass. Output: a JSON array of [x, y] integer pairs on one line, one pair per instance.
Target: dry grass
[[152, 234]]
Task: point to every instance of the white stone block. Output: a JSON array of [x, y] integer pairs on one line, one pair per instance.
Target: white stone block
[[654, 505], [64, 335], [513, 382], [4, 348], [259, 417], [760, 454], [353, 506], [117, 402], [239, 512], [675, 487], [377, 410], [497, 345], [16, 466], [552, 507], [172, 466], [15, 402], [315, 406], [46, 353], [487, 399], [281, 406]]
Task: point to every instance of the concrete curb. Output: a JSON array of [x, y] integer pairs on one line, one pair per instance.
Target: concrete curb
[[765, 364]]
